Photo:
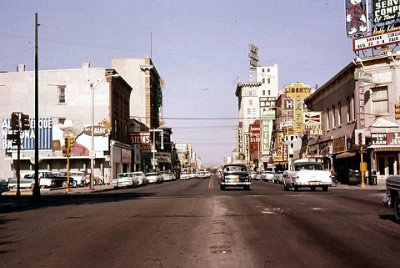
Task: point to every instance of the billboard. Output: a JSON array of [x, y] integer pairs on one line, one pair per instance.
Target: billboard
[[385, 12], [356, 17]]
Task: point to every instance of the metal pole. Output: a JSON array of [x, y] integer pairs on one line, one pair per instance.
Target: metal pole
[[36, 189], [154, 149], [92, 143]]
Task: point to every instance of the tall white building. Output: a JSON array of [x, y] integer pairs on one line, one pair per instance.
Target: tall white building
[[249, 95]]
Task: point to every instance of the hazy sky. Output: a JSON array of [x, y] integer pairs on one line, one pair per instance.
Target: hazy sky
[[199, 48]]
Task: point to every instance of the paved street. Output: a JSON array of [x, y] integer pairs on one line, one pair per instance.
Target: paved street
[[191, 223]]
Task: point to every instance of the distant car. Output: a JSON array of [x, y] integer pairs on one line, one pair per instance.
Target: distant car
[[194, 175], [253, 175], [154, 177], [185, 176], [167, 175], [4, 186], [123, 180], [267, 176], [141, 178], [277, 178], [25, 182], [235, 175]]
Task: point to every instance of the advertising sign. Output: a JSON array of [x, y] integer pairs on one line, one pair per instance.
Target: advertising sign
[[356, 17], [28, 136], [139, 137], [267, 118], [385, 12], [267, 102], [298, 92], [376, 40]]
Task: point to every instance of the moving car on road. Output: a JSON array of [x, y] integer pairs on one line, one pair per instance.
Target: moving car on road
[[304, 173], [235, 175]]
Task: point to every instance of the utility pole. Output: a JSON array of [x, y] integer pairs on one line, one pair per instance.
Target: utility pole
[[36, 188]]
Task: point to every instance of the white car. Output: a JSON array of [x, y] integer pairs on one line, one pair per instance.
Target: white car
[[167, 175], [123, 180], [267, 176], [140, 177], [185, 176], [154, 177]]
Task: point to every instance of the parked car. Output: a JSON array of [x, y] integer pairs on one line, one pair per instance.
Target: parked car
[[185, 176], [267, 176], [25, 182], [253, 175], [392, 197], [4, 186], [167, 175], [123, 180], [79, 178], [154, 177], [277, 178], [235, 175], [140, 177]]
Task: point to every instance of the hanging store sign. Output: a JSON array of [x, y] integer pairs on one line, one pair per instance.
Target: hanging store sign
[[339, 145], [376, 40], [356, 17], [267, 102]]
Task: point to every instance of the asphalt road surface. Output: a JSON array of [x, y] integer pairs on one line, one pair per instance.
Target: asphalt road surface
[[192, 223]]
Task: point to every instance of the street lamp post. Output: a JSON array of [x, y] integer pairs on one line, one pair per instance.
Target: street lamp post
[[92, 152]]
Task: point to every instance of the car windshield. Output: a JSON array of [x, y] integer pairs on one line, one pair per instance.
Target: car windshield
[[234, 168], [308, 166]]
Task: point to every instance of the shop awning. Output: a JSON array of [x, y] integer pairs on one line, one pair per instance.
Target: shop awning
[[345, 155]]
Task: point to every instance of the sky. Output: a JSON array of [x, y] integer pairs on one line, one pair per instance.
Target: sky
[[200, 49]]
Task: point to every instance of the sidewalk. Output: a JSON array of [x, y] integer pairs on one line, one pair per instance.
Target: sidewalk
[[55, 191], [379, 186]]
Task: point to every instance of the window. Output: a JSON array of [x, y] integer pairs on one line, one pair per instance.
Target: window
[[348, 110], [339, 114], [269, 80], [333, 116], [380, 100], [269, 92], [250, 102], [328, 123], [263, 80], [263, 92], [61, 94]]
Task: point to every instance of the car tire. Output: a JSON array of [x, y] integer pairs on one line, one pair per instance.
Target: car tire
[[325, 188], [73, 184], [247, 188], [222, 187], [396, 208], [285, 187], [64, 184]]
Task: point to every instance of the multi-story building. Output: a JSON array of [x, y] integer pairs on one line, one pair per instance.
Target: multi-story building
[[358, 118], [147, 108], [252, 100], [79, 100]]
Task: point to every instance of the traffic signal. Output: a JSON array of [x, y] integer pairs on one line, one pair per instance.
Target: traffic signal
[[25, 122], [14, 121], [360, 138], [397, 111]]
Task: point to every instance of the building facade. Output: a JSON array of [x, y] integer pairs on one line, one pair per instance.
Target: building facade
[[85, 99], [358, 119]]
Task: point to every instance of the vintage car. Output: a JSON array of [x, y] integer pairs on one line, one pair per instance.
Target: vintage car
[[304, 173], [235, 175], [392, 197]]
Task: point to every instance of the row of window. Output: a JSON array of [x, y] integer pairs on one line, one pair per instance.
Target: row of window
[[379, 105]]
